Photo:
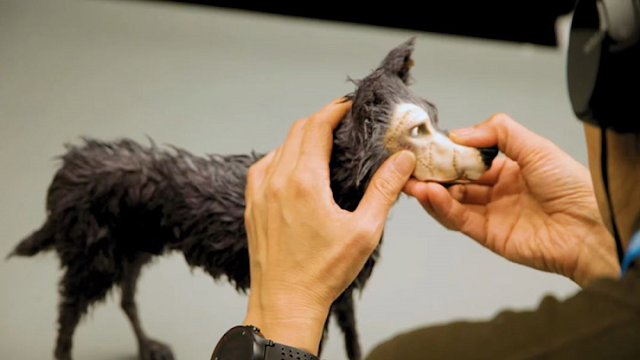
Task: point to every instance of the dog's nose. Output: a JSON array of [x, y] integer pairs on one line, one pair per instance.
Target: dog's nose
[[488, 154]]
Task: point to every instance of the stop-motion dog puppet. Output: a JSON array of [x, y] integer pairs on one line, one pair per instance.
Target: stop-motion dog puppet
[[113, 206]]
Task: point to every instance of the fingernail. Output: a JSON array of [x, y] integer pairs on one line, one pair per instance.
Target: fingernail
[[341, 100], [463, 132], [404, 163]]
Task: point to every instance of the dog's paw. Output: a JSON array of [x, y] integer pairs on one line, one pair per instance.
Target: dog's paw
[[155, 350], [62, 353]]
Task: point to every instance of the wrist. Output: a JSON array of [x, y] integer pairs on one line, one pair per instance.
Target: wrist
[[292, 321], [598, 258]]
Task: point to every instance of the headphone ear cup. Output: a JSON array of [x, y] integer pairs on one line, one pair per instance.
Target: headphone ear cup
[[603, 75], [621, 20]]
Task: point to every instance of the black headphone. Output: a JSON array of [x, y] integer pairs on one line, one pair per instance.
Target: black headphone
[[603, 72], [603, 63]]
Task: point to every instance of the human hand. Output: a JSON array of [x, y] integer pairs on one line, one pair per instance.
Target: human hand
[[536, 206], [304, 249]]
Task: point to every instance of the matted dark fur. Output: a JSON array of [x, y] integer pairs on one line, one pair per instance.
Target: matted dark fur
[[112, 206]]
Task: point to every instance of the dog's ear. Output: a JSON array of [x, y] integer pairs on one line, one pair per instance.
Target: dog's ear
[[375, 92], [399, 61]]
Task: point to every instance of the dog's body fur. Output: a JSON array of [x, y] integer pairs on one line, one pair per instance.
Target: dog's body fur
[[112, 206]]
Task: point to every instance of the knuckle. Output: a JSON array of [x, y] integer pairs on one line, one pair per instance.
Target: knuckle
[[360, 234], [386, 187], [252, 173], [364, 238], [248, 196], [440, 218], [500, 119], [299, 124], [301, 184], [368, 229], [458, 192], [247, 214], [252, 198], [257, 203], [276, 189], [320, 126], [314, 116], [449, 227], [312, 126], [317, 120]]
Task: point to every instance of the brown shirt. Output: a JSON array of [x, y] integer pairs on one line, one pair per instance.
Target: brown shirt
[[602, 321]]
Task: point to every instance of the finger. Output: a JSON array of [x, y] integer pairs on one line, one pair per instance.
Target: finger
[[290, 150], [514, 140], [413, 186], [318, 137], [255, 179], [289, 143], [418, 190], [385, 186], [471, 194], [423, 191], [270, 170], [468, 219], [491, 176], [256, 173], [333, 112]]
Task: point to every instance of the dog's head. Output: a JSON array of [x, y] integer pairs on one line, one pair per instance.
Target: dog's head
[[390, 116]]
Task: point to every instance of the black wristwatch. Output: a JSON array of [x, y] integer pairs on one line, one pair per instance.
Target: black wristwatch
[[247, 343]]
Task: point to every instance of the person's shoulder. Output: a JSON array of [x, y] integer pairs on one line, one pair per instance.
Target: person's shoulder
[[600, 321]]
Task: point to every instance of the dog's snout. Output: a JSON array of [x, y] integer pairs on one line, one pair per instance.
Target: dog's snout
[[488, 154]]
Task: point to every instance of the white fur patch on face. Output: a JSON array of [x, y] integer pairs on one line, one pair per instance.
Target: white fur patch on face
[[437, 157]]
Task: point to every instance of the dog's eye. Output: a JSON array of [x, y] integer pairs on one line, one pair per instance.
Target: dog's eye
[[418, 131]]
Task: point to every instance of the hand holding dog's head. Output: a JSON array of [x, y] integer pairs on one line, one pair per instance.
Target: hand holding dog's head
[[384, 106]]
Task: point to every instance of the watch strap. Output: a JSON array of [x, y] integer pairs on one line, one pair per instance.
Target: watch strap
[[275, 351]]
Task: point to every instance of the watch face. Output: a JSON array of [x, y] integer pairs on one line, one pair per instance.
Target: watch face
[[236, 344]]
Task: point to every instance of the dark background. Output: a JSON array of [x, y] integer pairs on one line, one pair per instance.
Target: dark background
[[516, 20]]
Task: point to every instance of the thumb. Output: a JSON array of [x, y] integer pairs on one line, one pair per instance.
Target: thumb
[[385, 186], [513, 139]]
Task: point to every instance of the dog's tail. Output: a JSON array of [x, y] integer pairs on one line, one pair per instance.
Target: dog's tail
[[39, 240]]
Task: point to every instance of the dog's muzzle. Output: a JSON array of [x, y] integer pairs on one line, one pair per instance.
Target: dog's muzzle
[[438, 158]]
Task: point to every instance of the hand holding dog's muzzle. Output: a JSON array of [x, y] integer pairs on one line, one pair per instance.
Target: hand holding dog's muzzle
[[536, 206]]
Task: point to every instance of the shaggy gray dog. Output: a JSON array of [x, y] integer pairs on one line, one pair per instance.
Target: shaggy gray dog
[[112, 206]]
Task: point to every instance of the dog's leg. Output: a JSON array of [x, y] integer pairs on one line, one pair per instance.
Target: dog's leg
[[345, 314], [79, 289], [70, 312], [149, 349]]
